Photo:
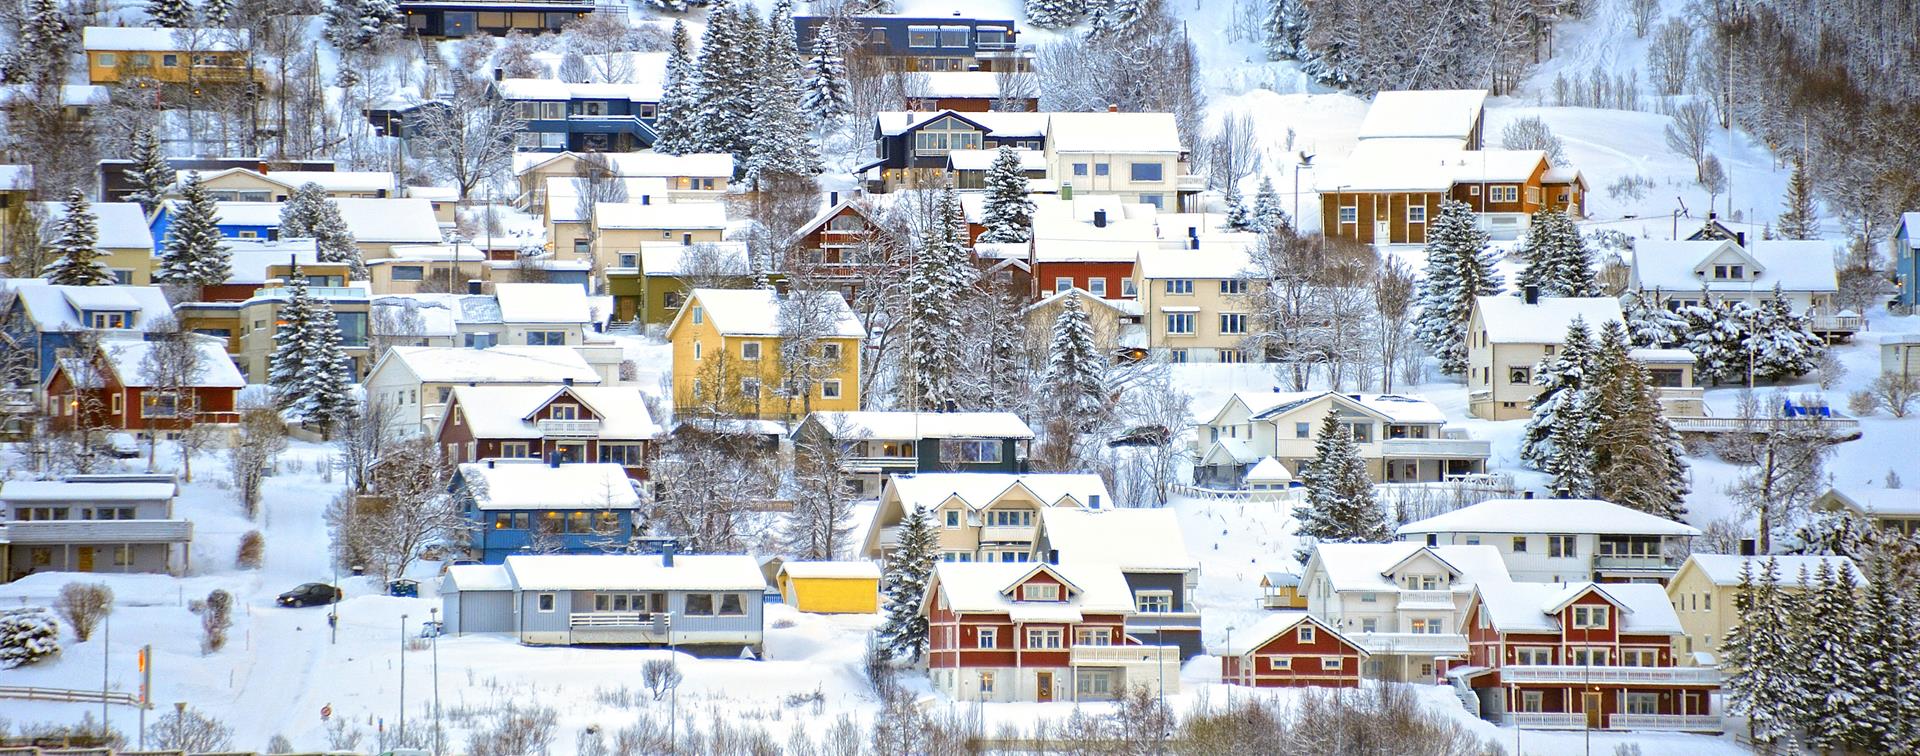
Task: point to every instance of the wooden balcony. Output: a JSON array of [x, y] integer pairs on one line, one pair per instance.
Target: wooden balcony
[[1578, 674], [1101, 656], [568, 428]]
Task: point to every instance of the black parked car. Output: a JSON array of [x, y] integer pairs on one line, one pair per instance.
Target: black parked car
[[310, 594]]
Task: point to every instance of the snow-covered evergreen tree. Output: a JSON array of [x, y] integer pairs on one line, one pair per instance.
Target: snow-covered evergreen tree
[[1459, 268], [1556, 376], [1717, 331], [827, 96], [1758, 655], [1650, 325], [1341, 506], [150, 174], [1570, 457], [355, 24], [679, 99], [43, 39], [1801, 218], [727, 81], [1285, 28], [1113, 16], [216, 13], [1267, 215], [1782, 343], [1056, 14], [1009, 207], [1638, 460], [903, 634], [309, 371], [193, 253], [310, 213], [1834, 678], [1888, 716], [1075, 382], [938, 280], [170, 14], [1239, 216], [76, 246], [27, 635], [1556, 258], [777, 133]]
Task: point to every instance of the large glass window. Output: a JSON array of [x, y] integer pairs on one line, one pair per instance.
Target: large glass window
[[945, 136], [953, 36], [970, 450], [922, 36], [353, 328], [1180, 322], [699, 605], [1146, 171]]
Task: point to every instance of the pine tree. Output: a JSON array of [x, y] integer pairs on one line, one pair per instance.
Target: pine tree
[[311, 214], [679, 101], [215, 13], [903, 634], [1834, 680], [1801, 218], [1557, 259], [1341, 506], [1650, 325], [170, 14], [1556, 376], [27, 635], [1285, 28], [1459, 268], [150, 174], [1781, 343], [1758, 655], [193, 253], [1638, 460], [378, 18], [43, 40], [777, 134], [1716, 333], [827, 96], [1239, 217], [1056, 14], [727, 81], [1267, 215], [940, 277], [1113, 16], [1009, 208], [1888, 716], [1074, 382], [309, 371], [76, 247]]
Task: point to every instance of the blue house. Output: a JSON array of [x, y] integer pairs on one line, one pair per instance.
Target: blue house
[[535, 507], [45, 318], [929, 43], [572, 117], [236, 220], [454, 18], [1906, 260]]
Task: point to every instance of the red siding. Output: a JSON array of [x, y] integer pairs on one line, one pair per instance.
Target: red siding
[[1305, 661], [1082, 273]]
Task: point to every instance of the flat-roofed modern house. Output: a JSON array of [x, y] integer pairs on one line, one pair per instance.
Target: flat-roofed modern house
[[1563, 540], [708, 603], [926, 43], [465, 18], [885, 443], [92, 523], [561, 116]]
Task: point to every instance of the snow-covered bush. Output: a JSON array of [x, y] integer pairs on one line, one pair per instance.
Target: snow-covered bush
[[1862, 403], [83, 605], [216, 615], [28, 635], [253, 547]]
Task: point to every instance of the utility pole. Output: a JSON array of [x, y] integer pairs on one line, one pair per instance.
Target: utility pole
[[106, 657], [435, 614], [401, 734], [146, 690]]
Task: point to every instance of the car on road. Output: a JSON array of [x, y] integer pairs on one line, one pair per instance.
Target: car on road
[[121, 445], [309, 594]]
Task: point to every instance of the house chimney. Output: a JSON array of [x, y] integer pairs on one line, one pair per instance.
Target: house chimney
[[1099, 219], [666, 552], [566, 381], [1531, 294], [833, 199], [1740, 238], [499, 74], [1748, 547], [1113, 107]]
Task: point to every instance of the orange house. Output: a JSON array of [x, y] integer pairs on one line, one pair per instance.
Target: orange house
[[114, 390], [1390, 190]]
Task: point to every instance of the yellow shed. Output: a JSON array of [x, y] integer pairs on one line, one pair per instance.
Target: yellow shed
[[831, 587]]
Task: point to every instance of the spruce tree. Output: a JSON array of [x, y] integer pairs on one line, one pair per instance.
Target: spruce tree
[[939, 278], [310, 373], [1056, 14], [1459, 268], [1570, 457], [1638, 460], [903, 634], [76, 246], [777, 134], [1009, 207], [1556, 376], [1267, 215], [728, 81], [1239, 217], [1285, 28], [1556, 258], [1801, 218], [150, 174], [1075, 382], [827, 96], [43, 41], [1650, 325], [1758, 655], [1834, 680], [193, 253], [1888, 717], [1341, 506], [1781, 343], [679, 101], [1716, 333], [311, 214], [215, 13], [169, 14]]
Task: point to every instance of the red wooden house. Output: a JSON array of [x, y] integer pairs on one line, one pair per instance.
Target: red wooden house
[[1292, 650], [1013, 631], [113, 388], [1582, 656], [608, 424]]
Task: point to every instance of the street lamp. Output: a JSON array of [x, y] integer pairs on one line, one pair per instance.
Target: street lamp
[[1306, 163], [401, 734], [435, 614]]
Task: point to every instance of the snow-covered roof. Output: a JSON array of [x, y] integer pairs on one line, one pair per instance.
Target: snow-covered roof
[[123, 225], [1428, 114], [1533, 607], [1724, 569], [52, 307], [477, 577], [542, 303], [1661, 356], [438, 314], [1005, 124], [1217, 261], [918, 425], [536, 485], [700, 164], [143, 39], [972, 84], [858, 570], [1113, 132], [1510, 320], [897, 122], [248, 259], [338, 181], [1425, 165], [980, 160], [977, 490], [563, 195], [1548, 516], [1131, 539], [756, 312], [1397, 408], [635, 572], [390, 220], [1249, 639], [642, 89], [678, 215], [507, 411], [1877, 500], [1366, 566], [987, 587], [501, 364], [434, 193], [124, 351], [668, 258], [29, 491], [1269, 470], [1677, 267]]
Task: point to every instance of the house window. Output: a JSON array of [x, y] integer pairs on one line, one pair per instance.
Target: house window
[[625, 455], [627, 259], [1349, 214], [1180, 323], [953, 519], [107, 320], [750, 350], [1429, 626], [1100, 169], [1562, 546], [830, 389], [671, 300], [1331, 663], [830, 352], [1233, 322], [1303, 430], [1533, 655], [1010, 518], [1179, 286], [160, 405], [953, 36], [481, 340], [1062, 283], [696, 350], [1643, 703], [1519, 375], [546, 338], [1279, 663], [1097, 287], [1589, 657], [1369, 597], [1093, 637], [731, 606], [1639, 657], [1416, 213], [945, 136], [1128, 288], [1043, 637], [1079, 169], [408, 272], [986, 682], [1532, 701], [1158, 201], [922, 36], [514, 449], [108, 60], [699, 605], [546, 602], [989, 637], [1146, 171], [1590, 617], [699, 316], [1153, 602], [1369, 625], [1233, 286], [1306, 634], [750, 387], [1519, 544], [1177, 356]]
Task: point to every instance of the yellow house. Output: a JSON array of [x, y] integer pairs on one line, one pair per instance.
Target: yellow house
[[247, 185], [1702, 592], [689, 178], [619, 228], [567, 221], [831, 587], [123, 235], [172, 56], [727, 355], [1281, 590]]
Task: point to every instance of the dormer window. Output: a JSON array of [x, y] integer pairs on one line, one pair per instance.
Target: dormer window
[[106, 320], [1306, 634], [1039, 592], [1729, 272], [1590, 617]]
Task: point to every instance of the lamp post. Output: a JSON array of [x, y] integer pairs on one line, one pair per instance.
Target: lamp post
[[1306, 163], [401, 733], [435, 614]]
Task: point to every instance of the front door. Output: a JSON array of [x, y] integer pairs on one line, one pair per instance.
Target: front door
[[86, 559], [1382, 232], [1044, 680], [1593, 710], [572, 453]]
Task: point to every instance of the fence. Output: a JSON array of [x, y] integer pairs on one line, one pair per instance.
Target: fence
[[68, 694]]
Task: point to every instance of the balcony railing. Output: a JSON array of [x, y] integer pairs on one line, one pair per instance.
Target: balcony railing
[[1145, 620], [1190, 182], [1426, 599], [1411, 643], [1001, 533], [98, 531], [1680, 722], [1836, 323], [1447, 448], [1618, 562], [568, 428], [1112, 655], [610, 619], [1567, 673], [1839, 427], [1548, 720], [1283, 602]]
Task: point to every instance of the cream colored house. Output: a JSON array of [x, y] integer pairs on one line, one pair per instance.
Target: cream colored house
[[1195, 304], [980, 517], [698, 177], [544, 314], [1702, 593], [1404, 603], [1896, 510], [620, 227], [1116, 323], [1671, 372], [247, 185], [418, 268], [568, 232], [1402, 438], [123, 235], [1135, 155], [1507, 336], [413, 384]]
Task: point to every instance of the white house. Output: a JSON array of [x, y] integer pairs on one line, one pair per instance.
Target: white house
[[1507, 336], [412, 384], [1677, 271], [1403, 438], [1562, 540], [1403, 602]]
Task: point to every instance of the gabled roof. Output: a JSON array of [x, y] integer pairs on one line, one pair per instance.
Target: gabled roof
[[507, 411], [976, 587], [123, 353], [501, 364], [1533, 607], [635, 572], [756, 312], [1393, 408], [1877, 500], [1724, 569], [1367, 566], [1510, 320], [337, 181], [1792, 265], [897, 122], [1249, 640], [891, 425], [51, 307], [1130, 539], [978, 490], [1425, 114], [1215, 261], [1269, 470], [563, 195], [122, 225], [543, 303], [533, 484], [143, 39], [1113, 132], [678, 215], [1528, 516], [390, 220]]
